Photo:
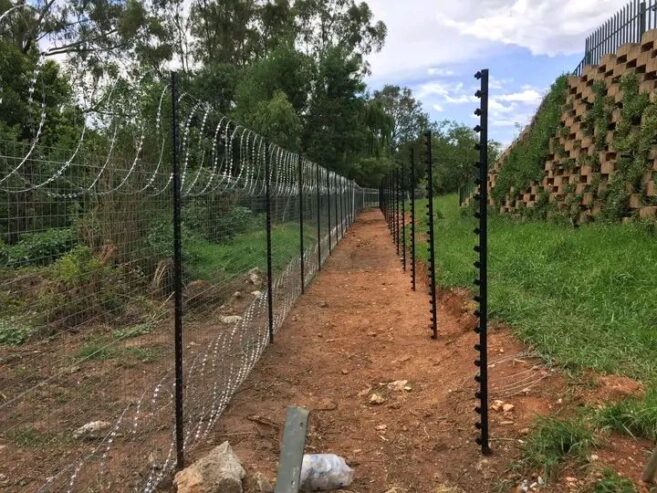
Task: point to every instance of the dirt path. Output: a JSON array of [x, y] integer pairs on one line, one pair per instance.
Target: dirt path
[[359, 327]]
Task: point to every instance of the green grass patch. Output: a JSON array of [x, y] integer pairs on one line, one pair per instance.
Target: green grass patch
[[28, 437], [96, 351], [244, 252], [134, 331], [635, 417], [612, 482], [584, 298], [554, 441]]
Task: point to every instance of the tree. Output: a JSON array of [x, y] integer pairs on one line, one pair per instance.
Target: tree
[[409, 121], [334, 132], [93, 33], [326, 24]]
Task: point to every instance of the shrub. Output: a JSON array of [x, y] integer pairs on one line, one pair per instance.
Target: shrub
[[13, 332], [39, 248], [80, 287]]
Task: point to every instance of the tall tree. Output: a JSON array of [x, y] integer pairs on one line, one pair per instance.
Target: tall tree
[[406, 112], [91, 32], [324, 24]]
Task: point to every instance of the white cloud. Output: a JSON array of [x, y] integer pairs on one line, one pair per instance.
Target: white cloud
[[545, 27], [438, 108], [529, 96], [440, 72]]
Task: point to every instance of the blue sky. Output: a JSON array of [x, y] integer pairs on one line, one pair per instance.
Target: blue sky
[[435, 46]]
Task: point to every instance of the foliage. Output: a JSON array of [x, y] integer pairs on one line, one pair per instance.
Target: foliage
[[525, 162], [634, 138], [38, 248], [636, 417], [80, 287], [553, 441], [13, 332], [612, 482], [409, 121]]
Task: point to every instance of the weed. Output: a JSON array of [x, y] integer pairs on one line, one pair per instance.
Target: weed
[[553, 441], [145, 354], [635, 417], [28, 437], [134, 331], [611, 482], [96, 352], [13, 331]]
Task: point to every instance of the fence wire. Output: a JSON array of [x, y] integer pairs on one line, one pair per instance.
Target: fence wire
[[87, 380]]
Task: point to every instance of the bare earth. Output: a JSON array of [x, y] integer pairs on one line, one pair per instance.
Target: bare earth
[[359, 327]]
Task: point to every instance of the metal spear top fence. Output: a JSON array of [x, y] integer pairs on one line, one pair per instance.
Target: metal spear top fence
[[625, 26], [162, 212]]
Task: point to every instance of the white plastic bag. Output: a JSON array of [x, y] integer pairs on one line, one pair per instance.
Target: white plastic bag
[[325, 472]]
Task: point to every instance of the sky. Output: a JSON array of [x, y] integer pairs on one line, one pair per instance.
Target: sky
[[434, 47]]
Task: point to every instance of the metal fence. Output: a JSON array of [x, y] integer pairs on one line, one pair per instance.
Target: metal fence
[[175, 216], [626, 26]]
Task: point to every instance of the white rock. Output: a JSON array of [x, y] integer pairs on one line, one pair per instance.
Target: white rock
[[256, 293], [218, 472], [397, 385], [230, 319], [255, 277], [91, 430], [376, 399]]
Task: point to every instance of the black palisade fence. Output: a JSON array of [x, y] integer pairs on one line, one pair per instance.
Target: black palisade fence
[[625, 26], [481, 282]]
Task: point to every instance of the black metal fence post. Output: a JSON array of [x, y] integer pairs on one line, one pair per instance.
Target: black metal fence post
[[270, 296], [431, 240], [177, 278], [403, 214], [412, 186], [396, 192], [341, 192], [482, 263], [335, 202], [301, 250], [328, 198], [319, 219]]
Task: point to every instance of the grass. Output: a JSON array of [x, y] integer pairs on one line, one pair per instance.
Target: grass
[[554, 441], [611, 482], [584, 298], [634, 417], [245, 252]]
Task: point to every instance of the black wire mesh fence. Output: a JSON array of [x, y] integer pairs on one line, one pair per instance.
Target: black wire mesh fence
[[88, 393]]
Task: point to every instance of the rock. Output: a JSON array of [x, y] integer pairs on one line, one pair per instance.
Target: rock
[[218, 472], [256, 293], [255, 277], [381, 427], [230, 319], [91, 430], [497, 405], [398, 385], [323, 304], [525, 431], [508, 407], [198, 292], [376, 399], [448, 489], [258, 483], [237, 295]]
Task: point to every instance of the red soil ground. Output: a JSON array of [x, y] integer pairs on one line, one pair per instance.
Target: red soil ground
[[359, 327]]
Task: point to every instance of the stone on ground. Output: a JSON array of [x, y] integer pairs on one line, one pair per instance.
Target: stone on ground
[[218, 472]]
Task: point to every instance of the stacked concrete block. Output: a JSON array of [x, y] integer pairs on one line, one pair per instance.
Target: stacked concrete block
[[577, 171]]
